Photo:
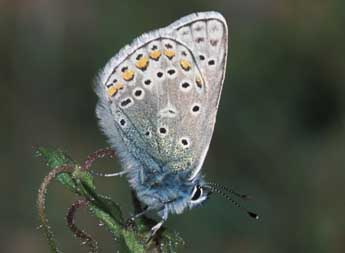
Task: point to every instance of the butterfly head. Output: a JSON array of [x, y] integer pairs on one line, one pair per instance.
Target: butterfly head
[[198, 193]]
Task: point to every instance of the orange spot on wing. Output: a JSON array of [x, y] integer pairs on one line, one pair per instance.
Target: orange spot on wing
[[112, 90], [169, 53], [142, 63], [185, 64], [128, 75], [155, 55]]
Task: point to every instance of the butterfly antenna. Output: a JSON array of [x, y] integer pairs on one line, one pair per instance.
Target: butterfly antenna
[[226, 196], [100, 174], [228, 190]]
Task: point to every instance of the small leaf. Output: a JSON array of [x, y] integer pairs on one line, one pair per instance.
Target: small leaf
[[104, 203], [114, 209], [56, 158], [85, 177], [53, 157], [107, 220], [134, 244]]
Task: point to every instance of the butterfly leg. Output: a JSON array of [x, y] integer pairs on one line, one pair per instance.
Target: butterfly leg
[[131, 220], [121, 173], [138, 215], [155, 228]]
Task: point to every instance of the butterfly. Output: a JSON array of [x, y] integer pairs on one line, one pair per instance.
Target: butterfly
[[158, 100]]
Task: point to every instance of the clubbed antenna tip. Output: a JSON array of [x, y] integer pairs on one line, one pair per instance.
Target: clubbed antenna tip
[[245, 196], [218, 189], [253, 215]]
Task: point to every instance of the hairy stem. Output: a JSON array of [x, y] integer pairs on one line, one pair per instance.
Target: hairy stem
[[101, 153], [70, 218], [41, 200]]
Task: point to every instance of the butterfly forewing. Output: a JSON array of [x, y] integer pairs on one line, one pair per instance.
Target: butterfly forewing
[[164, 93]]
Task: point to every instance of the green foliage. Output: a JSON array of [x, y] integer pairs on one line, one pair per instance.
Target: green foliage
[[132, 239]]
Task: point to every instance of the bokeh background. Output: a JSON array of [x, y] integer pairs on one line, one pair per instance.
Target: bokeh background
[[280, 133]]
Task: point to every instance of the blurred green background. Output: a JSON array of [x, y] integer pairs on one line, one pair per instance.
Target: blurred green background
[[279, 136]]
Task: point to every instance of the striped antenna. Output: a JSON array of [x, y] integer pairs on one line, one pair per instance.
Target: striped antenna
[[226, 196], [228, 190]]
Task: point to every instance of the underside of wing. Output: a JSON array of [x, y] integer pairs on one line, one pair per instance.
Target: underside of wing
[[159, 96]]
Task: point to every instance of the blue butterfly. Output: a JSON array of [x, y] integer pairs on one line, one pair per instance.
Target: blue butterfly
[[158, 100]]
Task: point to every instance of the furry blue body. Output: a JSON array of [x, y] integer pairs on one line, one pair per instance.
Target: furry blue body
[[166, 187]]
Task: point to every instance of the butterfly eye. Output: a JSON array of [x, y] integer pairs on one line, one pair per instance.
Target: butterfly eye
[[197, 193]]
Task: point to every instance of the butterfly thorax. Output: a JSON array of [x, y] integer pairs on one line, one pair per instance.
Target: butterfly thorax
[[168, 188]]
